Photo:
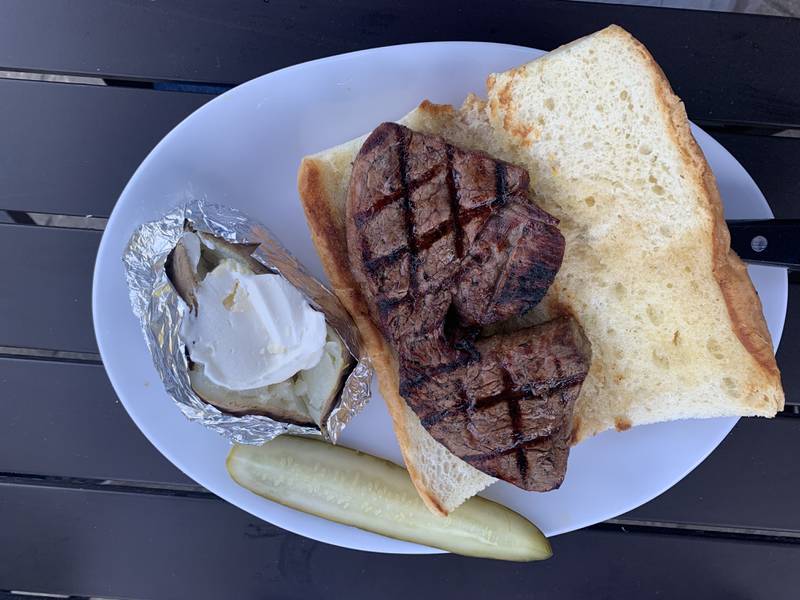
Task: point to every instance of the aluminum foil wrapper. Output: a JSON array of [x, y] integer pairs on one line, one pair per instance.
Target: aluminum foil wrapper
[[160, 311]]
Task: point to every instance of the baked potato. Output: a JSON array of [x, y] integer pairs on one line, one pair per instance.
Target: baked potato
[[307, 397]]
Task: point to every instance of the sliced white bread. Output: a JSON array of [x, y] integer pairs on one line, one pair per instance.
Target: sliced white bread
[[677, 329]]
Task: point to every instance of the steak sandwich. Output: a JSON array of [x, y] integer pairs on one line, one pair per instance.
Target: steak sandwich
[[479, 286]]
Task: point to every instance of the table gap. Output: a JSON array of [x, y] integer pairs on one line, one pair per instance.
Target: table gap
[[187, 490], [50, 77], [57, 77], [21, 217], [59, 356], [712, 531], [27, 595]]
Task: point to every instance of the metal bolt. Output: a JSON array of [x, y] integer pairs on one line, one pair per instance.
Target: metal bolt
[[758, 243]]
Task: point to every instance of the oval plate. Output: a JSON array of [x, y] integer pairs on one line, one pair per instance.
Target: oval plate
[[243, 149]]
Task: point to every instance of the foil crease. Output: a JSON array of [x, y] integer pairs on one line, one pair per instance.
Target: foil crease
[[160, 311]]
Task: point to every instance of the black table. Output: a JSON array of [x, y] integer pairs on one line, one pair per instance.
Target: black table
[[89, 508]]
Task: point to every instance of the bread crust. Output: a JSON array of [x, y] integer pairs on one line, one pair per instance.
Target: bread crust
[[741, 299], [329, 236]]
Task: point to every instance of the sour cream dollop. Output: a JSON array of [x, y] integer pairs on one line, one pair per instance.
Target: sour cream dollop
[[251, 330]]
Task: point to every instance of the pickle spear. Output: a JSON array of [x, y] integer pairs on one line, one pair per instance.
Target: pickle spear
[[370, 493]]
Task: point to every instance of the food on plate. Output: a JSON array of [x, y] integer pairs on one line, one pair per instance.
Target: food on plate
[[254, 343], [363, 491], [675, 326], [443, 241]]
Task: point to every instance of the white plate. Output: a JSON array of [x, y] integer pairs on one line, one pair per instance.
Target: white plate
[[243, 149]]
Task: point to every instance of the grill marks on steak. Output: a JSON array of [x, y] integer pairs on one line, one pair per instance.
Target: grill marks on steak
[[509, 413], [443, 241]]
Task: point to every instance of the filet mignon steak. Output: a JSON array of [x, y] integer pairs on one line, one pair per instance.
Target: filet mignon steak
[[443, 241]]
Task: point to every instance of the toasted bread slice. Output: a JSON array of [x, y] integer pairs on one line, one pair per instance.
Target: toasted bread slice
[[675, 324], [677, 329]]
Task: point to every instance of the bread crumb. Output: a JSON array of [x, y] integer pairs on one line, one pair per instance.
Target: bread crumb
[[576, 428], [622, 424]]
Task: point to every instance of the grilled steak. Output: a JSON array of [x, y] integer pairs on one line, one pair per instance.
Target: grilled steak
[[444, 241]]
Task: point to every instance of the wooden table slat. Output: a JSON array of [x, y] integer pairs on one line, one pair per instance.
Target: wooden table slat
[[64, 420], [76, 146], [728, 67], [773, 163], [114, 544], [61, 165], [750, 481], [46, 302]]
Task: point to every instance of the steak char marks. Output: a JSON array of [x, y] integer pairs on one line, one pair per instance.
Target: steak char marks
[[444, 241]]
